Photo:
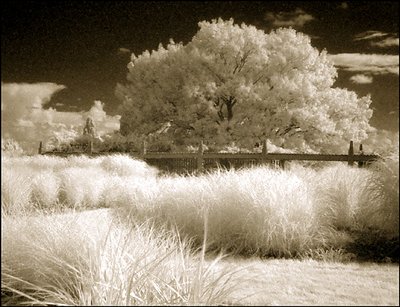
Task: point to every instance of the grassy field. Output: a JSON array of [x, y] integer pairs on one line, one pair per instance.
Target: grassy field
[[300, 236]]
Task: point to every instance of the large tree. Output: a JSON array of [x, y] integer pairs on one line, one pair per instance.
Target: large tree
[[234, 83]]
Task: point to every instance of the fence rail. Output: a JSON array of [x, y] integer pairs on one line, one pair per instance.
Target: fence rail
[[200, 160]]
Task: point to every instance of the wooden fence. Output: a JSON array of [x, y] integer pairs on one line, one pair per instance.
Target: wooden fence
[[182, 162]]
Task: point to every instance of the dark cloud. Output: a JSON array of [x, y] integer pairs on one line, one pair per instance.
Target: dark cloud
[[296, 19]]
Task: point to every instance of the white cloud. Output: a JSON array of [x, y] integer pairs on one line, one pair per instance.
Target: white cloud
[[371, 63], [24, 119], [19, 100], [375, 38], [367, 35], [383, 142], [361, 79], [296, 19], [387, 42], [124, 50]]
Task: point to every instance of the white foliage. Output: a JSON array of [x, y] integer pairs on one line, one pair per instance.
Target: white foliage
[[235, 83]]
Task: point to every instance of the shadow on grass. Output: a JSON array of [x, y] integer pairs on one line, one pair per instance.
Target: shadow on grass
[[371, 245]]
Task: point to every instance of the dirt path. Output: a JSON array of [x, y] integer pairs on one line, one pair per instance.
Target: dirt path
[[293, 282]]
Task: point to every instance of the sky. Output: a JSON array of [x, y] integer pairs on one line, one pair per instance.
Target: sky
[[61, 60]]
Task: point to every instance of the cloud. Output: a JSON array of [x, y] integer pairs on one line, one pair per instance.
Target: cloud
[[387, 42], [24, 119], [367, 35], [296, 19], [375, 38], [371, 63], [383, 142], [124, 50], [361, 79]]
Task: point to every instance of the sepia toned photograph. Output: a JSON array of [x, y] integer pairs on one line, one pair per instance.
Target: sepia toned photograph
[[199, 153]]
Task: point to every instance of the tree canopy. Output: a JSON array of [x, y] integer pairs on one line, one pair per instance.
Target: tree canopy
[[235, 83]]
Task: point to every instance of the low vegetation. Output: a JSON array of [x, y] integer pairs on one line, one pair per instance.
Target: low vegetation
[[67, 260], [260, 211], [55, 251]]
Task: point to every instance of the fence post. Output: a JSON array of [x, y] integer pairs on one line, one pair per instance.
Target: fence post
[[144, 149], [361, 163], [264, 151], [40, 147], [282, 164], [351, 154], [200, 159], [90, 147]]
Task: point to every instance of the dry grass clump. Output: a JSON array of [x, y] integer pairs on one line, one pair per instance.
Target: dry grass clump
[[59, 260], [253, 211], [337, 192], [54, 183], [45, 189], [15, 191], [81, 187], [270, 212], [36, 162], [123, 165], [380, 199]]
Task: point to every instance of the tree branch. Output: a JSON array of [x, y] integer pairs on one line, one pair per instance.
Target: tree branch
[[214, 73], [239, 65]]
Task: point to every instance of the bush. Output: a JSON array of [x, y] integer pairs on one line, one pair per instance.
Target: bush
[[11, 148]]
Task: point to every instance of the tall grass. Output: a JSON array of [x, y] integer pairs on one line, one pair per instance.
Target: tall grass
[[270, 212], [260, 211], [60, 261], [251, 211], [149, 254], [257, 210], [51, 183], [380, 199], [15, 191]]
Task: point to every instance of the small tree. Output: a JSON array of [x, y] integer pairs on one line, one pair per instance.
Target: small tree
[[89, 128]]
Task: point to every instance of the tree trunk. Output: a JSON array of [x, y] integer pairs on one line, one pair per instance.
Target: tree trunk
[[230, 102]]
